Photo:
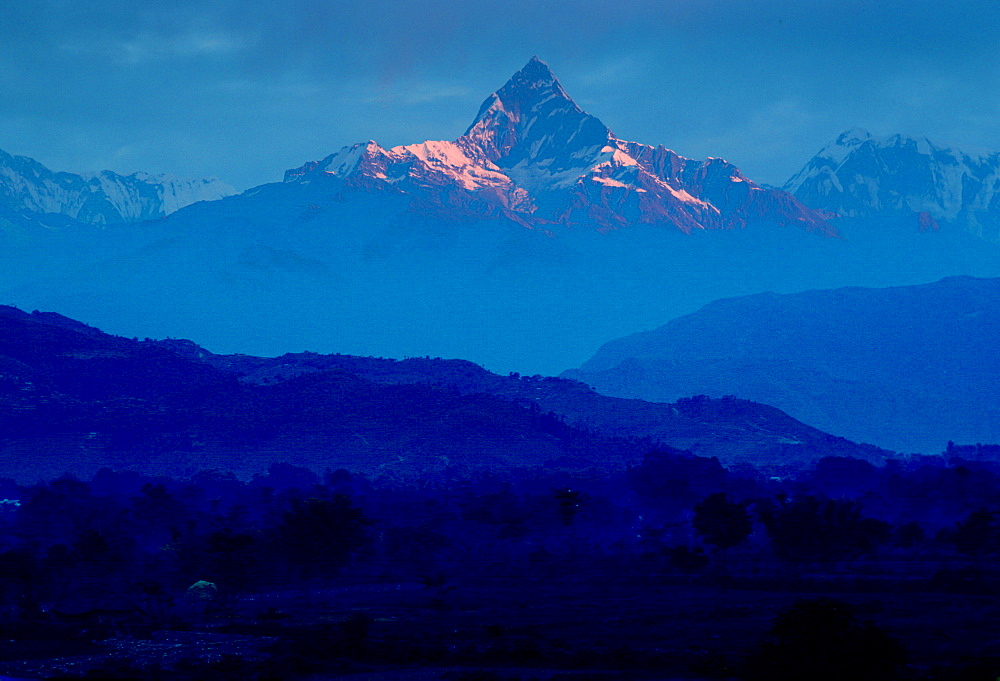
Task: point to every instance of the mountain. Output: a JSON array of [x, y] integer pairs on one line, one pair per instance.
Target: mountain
[[730, 429], [523, 245], [75, 398], [534, 157], [862, 176], [907, 368], [104, 198]]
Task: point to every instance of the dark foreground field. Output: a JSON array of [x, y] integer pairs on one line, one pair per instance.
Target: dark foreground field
[[567, 620], [677, 568]]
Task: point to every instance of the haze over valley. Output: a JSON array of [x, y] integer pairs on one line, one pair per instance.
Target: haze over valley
[[524, 245]]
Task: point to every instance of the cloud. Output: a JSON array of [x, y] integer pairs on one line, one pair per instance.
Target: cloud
[[194, 44], [151, 47]]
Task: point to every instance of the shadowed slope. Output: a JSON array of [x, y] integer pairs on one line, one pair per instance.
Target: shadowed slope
[[907, 368]]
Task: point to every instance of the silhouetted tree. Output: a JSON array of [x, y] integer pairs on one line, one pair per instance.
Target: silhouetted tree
[[58, 512], [976, 536], [318, 536], [810, 528], [844, 476], [722, 523], [909, 534], [20, 582], [822, 640], [675, 478], [232, 558], [159, 516]]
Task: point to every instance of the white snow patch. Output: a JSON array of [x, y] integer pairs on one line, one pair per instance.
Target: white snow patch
[[346, 161], [610, 182], [449, 159], [684, 196]]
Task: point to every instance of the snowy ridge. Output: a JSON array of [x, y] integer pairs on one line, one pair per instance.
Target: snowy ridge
[[534, 156], [860, 176], [101, 198]]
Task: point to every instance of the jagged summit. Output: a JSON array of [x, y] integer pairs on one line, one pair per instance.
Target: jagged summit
[[536, 70], [525, 93], [532, 155], [531, 120], [531, 85]]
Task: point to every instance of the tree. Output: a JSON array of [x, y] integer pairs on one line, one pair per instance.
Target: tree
[[158, 515], [318, 536], [674, 479], [976, 536], [822, 640], [909, 534], [722, 523], [814, 529]]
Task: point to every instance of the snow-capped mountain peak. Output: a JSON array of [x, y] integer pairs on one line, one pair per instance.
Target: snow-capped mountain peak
[[523, 93], [860, 176], [532, 119], [100, 198], [534, 156], [341, 163]]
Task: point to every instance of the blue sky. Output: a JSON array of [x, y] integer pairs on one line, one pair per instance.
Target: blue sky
[[244, 89]]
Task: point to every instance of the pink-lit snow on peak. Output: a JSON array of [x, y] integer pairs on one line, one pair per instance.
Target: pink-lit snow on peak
[[532, 146]]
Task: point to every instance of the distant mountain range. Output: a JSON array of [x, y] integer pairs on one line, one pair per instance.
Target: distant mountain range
[[522, 245], [907, 368], [102, 198], [75, 399], [861, 176]]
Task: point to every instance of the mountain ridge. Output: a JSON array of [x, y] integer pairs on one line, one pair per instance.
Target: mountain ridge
[[533, 156], [907, 367], [100, 198], [149, 402], [860, 176]]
